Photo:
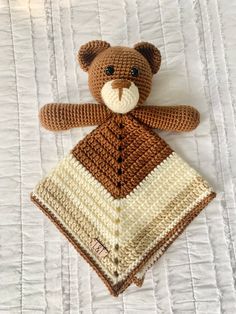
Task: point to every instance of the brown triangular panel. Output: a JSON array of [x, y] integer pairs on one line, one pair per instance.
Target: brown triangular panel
[[121, 153]]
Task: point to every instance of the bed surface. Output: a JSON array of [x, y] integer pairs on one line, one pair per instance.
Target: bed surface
[[40, 272]]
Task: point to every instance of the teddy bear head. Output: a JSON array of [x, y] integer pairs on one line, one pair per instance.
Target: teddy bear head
[[119, 77]]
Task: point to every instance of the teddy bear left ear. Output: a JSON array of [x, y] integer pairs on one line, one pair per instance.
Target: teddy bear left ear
[[151, 53], [89, 51]]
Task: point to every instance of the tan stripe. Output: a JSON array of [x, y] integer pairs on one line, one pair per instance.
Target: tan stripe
[[64, 208], [140, 275], [81, 204], [136, 247]]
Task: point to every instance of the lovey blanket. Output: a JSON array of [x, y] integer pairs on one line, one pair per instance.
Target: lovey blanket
[[122, 195]]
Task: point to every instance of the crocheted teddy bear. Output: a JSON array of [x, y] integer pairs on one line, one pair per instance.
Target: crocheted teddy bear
[[121, 195]]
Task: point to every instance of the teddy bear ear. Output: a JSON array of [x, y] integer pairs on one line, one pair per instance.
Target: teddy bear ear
[[89, 51], [151, 53]]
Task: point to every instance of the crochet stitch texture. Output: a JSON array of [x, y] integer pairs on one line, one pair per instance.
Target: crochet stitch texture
[[122, 195]]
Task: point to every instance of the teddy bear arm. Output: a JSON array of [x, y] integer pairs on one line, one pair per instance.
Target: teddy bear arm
[[180, 118], [57, 117]]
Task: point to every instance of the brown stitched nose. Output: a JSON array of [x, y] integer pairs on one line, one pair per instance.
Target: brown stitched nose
[[120, 84]]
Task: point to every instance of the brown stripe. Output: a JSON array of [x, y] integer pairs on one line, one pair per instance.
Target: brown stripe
[[115, 290], [121, 153]]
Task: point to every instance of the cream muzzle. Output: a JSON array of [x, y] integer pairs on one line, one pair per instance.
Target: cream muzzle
[[120, 96]]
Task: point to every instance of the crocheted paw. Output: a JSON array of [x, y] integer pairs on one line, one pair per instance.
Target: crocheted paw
[[56, 117]]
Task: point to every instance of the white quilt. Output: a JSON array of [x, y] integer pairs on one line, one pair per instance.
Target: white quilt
[[40, 272]]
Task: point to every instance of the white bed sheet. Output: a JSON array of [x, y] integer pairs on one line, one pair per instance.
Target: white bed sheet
[[40, 272]]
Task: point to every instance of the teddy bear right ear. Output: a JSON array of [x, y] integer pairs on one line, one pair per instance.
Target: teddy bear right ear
[[151, 54], [89, 51]]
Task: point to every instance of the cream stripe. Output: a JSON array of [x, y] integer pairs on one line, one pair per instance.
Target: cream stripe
[[173, 207], [83, 178], [77, 183], [77, 224], [83, 203], [160, 187], [80, 188], [173, 211]]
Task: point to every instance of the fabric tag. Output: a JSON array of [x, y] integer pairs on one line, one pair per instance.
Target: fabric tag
[[98, 248]]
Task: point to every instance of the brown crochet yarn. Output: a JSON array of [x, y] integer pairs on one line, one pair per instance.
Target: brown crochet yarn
[[120, 153], [57, 117], [122, 195], [169, 118]]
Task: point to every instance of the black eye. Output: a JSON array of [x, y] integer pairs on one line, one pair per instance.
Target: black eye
[[109, 70], [134, 71]]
